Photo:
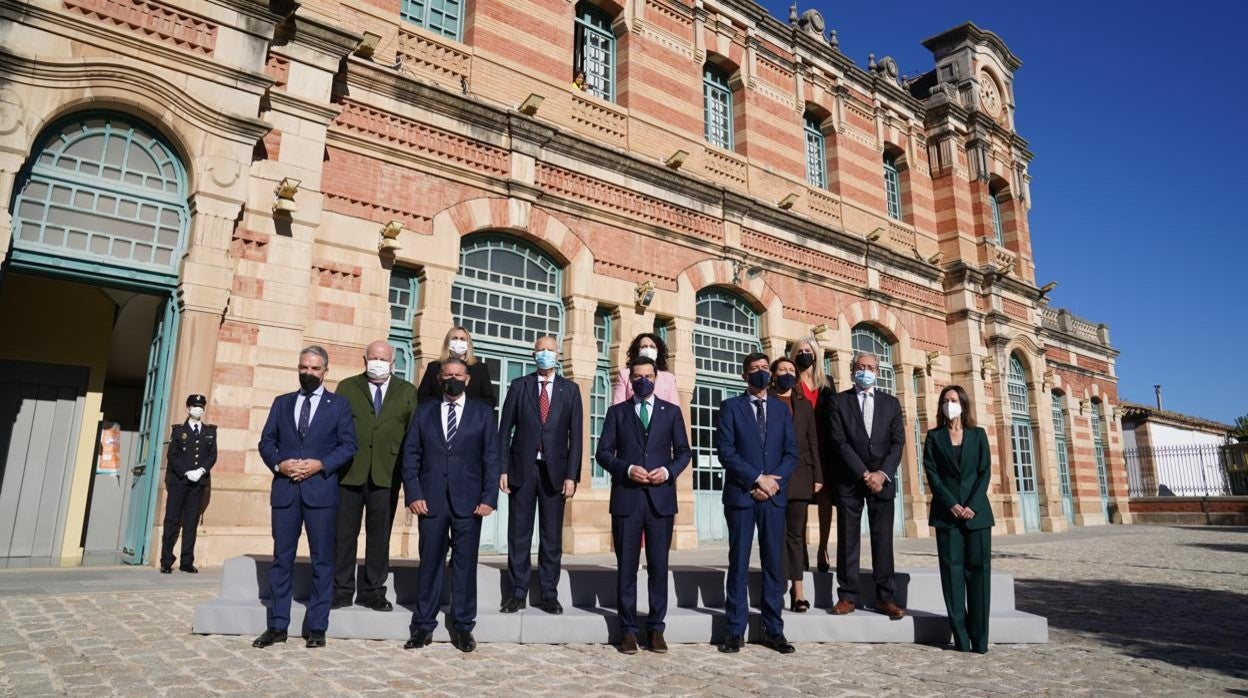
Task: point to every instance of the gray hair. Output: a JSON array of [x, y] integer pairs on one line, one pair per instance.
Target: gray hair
[[316, 350], [860, 354], [454, 361]]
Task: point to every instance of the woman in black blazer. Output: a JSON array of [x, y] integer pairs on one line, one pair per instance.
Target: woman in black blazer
[[957, 461], [818, 388], [458, 343], [806, 480]]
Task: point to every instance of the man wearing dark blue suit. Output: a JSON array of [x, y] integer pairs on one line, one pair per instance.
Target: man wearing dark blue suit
[[450, 480], [541, 439], [308, 437], [757, 447], [644, 446]]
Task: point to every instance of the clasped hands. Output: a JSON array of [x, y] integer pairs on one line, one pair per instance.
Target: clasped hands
[[195, 475], [421, 508], [962, 512], [874, 480], [300, 469], [641, 476], [765, 487]]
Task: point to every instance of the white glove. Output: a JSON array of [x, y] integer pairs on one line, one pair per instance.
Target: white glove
[[194, 475]]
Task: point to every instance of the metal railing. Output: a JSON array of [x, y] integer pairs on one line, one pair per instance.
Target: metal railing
[[1196, 470]]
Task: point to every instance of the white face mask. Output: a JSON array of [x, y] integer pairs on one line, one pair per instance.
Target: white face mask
[[377, 369], [649, 352], [196, 412], [458, 347], [953, 410]]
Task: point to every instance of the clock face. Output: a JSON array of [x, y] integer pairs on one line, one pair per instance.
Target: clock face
[[989, 94]]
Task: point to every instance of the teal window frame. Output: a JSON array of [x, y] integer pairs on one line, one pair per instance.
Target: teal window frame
[[444, 17], [892, 187], [600, 393], [594, 51], [404, 296], [1059, 443], [865, 338], [724, 332], [1021, 439], [1098, 448], [816, 153], [104, 196], [916, 385], [660, 330], [717, 107]]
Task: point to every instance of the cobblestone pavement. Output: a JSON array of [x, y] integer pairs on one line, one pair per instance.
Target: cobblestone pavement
[[1132, 610]]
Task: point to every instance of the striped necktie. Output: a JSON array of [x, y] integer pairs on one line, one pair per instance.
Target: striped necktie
[[451, 425]]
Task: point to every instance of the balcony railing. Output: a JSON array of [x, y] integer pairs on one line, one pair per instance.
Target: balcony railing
[[1196, 470], [1062, 320]]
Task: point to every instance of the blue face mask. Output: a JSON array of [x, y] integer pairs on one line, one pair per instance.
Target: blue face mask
[[642, 387], [758, 380], [786, 382], [546, 359], [864, 379]]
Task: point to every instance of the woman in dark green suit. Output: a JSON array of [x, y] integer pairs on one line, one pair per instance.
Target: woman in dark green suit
[[957, 460]]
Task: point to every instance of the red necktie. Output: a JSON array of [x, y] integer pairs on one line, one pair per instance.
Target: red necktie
[[543, 401]]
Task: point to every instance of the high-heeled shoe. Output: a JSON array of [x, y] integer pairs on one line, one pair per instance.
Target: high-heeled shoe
[[799, 606]]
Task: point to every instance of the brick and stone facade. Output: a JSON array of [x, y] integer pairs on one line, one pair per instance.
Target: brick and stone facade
[[426, 131]]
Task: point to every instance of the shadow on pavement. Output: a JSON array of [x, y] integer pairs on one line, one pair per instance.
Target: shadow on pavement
[[1188, 628], [1223, 547]]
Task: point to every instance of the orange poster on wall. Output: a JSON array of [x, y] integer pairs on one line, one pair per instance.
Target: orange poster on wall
[[108, 460]]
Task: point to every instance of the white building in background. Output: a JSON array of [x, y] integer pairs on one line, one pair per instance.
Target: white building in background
[[1173, 454]]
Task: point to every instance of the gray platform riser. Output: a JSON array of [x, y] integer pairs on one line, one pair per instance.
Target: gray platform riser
[[589, 587], [593, 626]]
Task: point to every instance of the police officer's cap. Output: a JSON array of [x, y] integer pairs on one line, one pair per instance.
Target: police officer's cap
[[196, 401]]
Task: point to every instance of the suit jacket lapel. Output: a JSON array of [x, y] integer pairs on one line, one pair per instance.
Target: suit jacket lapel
[[322, 406], [945, 442], [554, 399], [289, 409], [634, 423], [751, 415]]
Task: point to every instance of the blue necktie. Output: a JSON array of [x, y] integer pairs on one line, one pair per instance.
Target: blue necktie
[[761, 415], [451, 426], [305, 414], [377, 401]]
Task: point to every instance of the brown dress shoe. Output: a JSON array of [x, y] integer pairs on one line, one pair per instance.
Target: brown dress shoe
[[890, 609], [657, 643], [843, 607], [629, 644]]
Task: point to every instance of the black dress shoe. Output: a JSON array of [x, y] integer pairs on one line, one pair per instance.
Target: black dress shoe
[[379, 604], [166, 569], [732, 645], [190, 569], [270, 637], [778, 643], [315, 639], [551, 606], [339, 603], [464, 642], [512, 604], [657, 644], [419, 638], [628, 645]]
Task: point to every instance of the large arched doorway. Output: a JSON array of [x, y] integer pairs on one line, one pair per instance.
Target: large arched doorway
[[866, 338], [726, 330], [100, 220], [1022, 445], [508, 293]]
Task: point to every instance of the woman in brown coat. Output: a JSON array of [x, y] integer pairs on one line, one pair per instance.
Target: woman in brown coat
[[807, 478]]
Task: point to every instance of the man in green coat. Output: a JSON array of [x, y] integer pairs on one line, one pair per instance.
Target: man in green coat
[[382, 405]]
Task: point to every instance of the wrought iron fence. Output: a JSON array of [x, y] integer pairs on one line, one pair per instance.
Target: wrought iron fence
[[1196, 470]]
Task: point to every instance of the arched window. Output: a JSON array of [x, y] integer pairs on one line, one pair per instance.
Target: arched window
[[594, 51], [866, 338], [892, 186], [600, 395], [816, 152], [404, 293], [1021, 444], [725, 332], [994, 206], [717, 106], [508, 294], [104, 195], [445, 17], [1063, 455]]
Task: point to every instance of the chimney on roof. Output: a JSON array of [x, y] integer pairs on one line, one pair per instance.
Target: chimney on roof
[[1157, 392]]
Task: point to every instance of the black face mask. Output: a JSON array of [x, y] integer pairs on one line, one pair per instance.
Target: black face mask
[[804, 360], [308, 382], [453, 387]]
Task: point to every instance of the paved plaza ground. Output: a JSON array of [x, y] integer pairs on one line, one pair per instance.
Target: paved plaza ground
[[1133, 610]]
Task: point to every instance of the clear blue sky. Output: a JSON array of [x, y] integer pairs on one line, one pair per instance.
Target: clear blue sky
[[1135, 112]]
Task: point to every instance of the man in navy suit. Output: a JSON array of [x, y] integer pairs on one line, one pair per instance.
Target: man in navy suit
[[644, 446], [757, 447], [308, 437], [450, 480], [541, 435], [866, 430]]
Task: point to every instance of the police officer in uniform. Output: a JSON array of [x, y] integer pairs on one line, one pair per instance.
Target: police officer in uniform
[[192, 453]]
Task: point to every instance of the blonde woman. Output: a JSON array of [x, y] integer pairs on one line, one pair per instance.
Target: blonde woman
[[818, 388], [458, 344]]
